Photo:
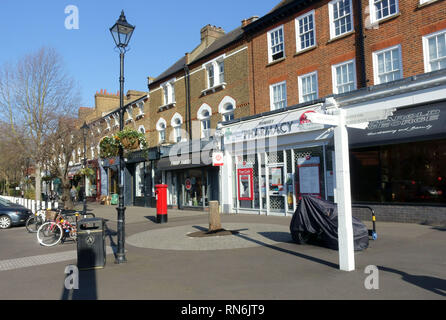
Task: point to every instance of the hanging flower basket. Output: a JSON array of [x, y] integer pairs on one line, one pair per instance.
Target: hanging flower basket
[[88, 172], [130, 144], [109, 147], [131, 139]]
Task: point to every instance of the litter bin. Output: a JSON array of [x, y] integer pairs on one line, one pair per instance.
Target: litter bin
[[91, 244], [115, 198]]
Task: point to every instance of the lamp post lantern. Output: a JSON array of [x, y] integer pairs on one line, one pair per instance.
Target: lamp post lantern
[[84, 195], [122, 32]]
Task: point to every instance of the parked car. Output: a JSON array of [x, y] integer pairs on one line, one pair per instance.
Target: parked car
[[12, 214]]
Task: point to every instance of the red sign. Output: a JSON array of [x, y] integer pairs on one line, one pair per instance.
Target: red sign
[[188, 184], [245, 184], [217, 159]]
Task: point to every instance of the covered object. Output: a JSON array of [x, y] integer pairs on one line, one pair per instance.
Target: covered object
[[316, 221]]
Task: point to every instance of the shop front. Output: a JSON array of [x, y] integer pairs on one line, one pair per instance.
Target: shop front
[[192, 181], [272, 160], [93, 183], [139, 176], [402, 159]]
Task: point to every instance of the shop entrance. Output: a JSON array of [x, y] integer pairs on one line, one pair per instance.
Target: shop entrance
[[276, 188]]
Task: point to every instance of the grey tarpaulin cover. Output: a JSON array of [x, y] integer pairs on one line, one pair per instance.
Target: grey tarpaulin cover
[[320, 219]]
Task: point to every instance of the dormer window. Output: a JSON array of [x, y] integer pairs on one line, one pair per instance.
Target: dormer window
[[107, 121], [169, 92], [116, 117], [140, 108], [129, 114], [215, 74]]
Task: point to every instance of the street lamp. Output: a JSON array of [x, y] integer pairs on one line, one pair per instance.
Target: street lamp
[[84, 196], [122, 32]]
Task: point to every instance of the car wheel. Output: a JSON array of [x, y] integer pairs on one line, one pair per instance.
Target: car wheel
[[5, 222]]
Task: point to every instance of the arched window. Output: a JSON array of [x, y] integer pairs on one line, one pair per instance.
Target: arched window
[[142, 129], [227, 108], [204, 115], [161, 128], [176, 123]]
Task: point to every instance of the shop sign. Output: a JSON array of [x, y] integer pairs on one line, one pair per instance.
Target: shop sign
[[188, 184], [272, 126], [217, 159], [245, 184], [406, 123]]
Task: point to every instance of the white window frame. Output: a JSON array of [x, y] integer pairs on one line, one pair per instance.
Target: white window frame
[[271, 93], [140, 106], [215, 64], [205, 120], [143, 129], [299, 80], [373, 11], [333, 34], [222, 107], [159, 128], [129, 114], [168, 90], [116, 118], [334, 75], [375, 62], [178, 137], [270, 52], [107, 121], [427, 62], [298, 34]]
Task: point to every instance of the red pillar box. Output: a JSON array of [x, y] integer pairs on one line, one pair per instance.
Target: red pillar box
[[161, 203]]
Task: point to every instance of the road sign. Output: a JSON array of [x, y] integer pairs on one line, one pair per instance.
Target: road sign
[[320, 118], [368, 116]]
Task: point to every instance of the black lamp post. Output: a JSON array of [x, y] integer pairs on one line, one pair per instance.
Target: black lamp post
[[122, 32], [84, 196]]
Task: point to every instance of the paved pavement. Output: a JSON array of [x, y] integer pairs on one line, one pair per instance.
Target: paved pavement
[[259, 263]]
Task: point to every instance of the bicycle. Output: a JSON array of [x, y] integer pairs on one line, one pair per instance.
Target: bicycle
[[35, 221], [52, 232]]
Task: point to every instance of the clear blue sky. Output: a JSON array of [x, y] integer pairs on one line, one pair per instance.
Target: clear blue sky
[[165, 31]]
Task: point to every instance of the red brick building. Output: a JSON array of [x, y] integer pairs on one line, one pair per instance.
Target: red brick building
[[313, 38]]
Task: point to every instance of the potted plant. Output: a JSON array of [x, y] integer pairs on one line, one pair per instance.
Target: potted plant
[[109, 147], [131, 139], [88, 172]]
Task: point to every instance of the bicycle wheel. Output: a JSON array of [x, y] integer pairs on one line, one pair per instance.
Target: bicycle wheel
[[31, 224], [49, 234]]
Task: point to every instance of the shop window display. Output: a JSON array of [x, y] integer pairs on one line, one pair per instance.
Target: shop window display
[[402, 173]]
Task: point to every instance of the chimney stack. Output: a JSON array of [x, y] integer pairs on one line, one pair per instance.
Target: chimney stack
[[210, 33], [245, 22]]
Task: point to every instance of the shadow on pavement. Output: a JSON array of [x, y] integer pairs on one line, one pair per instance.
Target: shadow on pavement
[[433, 284], [110, 234], [279, 237], [151, 218], [87, 286]]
